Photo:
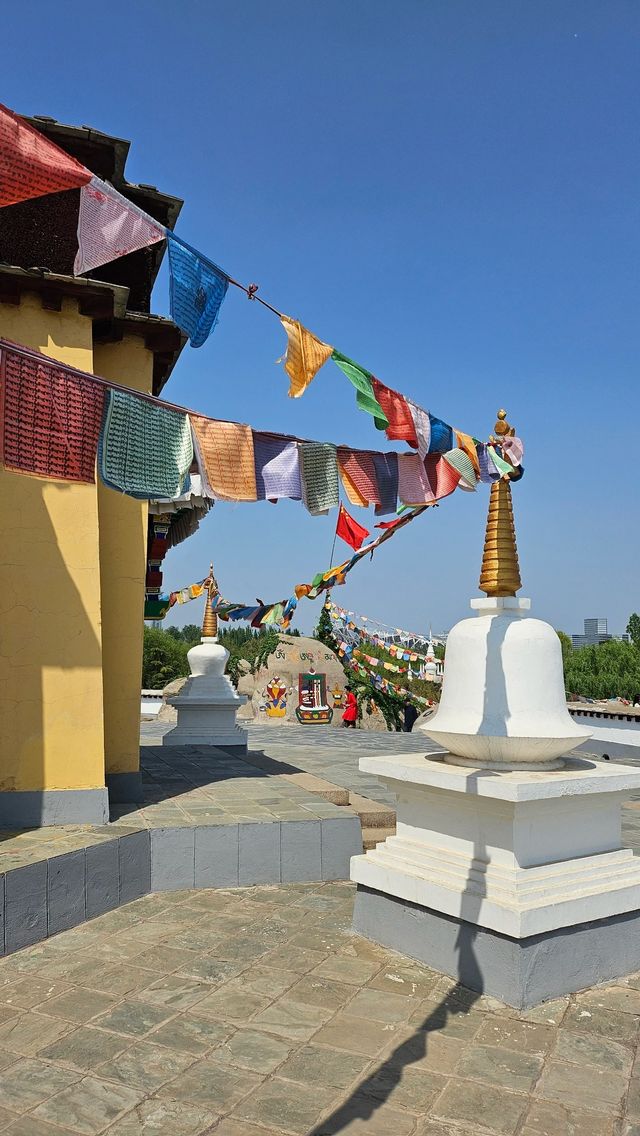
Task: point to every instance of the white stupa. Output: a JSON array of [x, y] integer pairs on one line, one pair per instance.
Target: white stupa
[[207, 704], [503, 701], [507, 870], [430, 669]]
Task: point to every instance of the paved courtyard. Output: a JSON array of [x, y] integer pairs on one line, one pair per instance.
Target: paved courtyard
[[257, 1012], [328, 752]]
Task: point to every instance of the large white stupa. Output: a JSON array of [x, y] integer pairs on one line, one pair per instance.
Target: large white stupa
[[507, 870]]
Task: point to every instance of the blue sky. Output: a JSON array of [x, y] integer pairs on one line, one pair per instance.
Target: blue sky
[[445, 190]]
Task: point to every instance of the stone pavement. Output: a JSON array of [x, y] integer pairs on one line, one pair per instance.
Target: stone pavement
[[257, 1012], [328, 752]]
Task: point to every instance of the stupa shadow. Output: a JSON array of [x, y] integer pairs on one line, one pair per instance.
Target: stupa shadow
[[378, 1087], [496, 702]]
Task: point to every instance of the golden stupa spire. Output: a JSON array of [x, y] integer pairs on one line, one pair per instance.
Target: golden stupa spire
[[210, 621], [500, 574]]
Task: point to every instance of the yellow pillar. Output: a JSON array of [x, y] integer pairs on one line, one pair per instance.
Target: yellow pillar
[[123, 543], [51, 734]]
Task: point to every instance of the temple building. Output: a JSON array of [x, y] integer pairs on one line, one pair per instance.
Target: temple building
[[73, 583]]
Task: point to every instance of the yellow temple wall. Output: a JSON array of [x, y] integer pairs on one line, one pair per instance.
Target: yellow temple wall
[[123, 543], [51, 695]]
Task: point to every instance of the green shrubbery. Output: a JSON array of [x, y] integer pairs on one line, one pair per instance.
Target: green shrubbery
[[164, 655], [610, 670]]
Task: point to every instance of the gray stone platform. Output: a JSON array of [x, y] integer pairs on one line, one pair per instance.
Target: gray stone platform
[[208, 820]]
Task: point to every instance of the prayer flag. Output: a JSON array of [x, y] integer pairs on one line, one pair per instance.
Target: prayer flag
[[277, 466], [49, 416], [396, 408], [488, 471], [304, 357], [386, 467], [226, 457], [358, 475], [467, 443], [145, 450], [460, 461], [502, 466], [512, 449], [110, 226], [413, 483], [421, 426], [31, 165], [441, 436], [349, 530], [362, 381], [319, 467], [197, 291]]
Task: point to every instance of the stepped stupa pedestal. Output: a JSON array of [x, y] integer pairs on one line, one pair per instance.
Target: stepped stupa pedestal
[[208, 703], [507, 870]]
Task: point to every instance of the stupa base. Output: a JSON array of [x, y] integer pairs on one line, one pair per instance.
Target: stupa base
[[531, 862], [506, 766], [520, 972]]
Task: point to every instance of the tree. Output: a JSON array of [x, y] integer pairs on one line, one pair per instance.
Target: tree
[[609, 670], [567, 647], [633, 629], [164, 658], [190, 633], [324, 630]]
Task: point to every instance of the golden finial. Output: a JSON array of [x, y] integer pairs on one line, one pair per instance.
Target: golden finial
[[500, 573], [210, 621]]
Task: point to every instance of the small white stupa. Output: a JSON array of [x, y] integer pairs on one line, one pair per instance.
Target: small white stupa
[[430, 668], [208, 703]]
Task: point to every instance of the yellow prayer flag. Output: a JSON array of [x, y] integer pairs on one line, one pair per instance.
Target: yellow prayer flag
[[466, 443], [304, 357]]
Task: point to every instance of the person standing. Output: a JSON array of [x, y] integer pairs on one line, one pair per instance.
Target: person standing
[[410, 716], [351, 710]]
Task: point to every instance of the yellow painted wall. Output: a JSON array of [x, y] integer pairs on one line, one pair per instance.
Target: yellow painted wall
[[123, 544], [51, 734]]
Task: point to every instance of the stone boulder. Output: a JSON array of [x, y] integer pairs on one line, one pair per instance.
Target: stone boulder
[[273, 691]]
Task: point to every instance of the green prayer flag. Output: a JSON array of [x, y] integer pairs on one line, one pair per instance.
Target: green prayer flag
[[501, 465], [361, 380]]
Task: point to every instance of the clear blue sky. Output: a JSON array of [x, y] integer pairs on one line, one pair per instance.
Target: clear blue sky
[[448, 192]]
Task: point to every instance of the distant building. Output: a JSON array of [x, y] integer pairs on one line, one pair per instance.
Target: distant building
[[595, 632]]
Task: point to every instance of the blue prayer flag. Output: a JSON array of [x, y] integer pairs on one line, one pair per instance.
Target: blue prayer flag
[[441, 436], [197, 291]]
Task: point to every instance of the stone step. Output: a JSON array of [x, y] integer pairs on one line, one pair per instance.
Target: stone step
[[373, 814], [320, 788], [373, 836]]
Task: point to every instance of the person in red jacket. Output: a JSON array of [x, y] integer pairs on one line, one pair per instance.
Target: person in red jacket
[[351, 711]]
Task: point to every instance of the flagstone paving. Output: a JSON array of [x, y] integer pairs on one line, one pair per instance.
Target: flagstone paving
[[257, 1012]]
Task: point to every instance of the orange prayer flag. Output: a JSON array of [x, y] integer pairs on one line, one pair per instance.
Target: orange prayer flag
[[304, 357], [466, 443]]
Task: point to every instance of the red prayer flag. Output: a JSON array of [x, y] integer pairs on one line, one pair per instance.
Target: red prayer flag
[[389, 524], [349, 530], [401, 426], [31, 165], [50, 416]]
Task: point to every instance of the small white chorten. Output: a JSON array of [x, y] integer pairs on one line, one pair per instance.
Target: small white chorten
[[208, 703]]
